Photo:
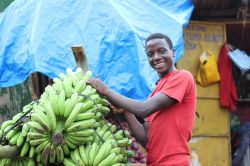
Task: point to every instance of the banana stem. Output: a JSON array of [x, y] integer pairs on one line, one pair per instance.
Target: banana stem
[[60, 126], [57, 137], [8, 151]]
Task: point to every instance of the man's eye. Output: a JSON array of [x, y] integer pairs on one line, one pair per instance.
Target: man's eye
[[162, 52], [150, 54]]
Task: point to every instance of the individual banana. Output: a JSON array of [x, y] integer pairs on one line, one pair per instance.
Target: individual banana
[[67, 86], [73, 114], [51, 114], [87, 75], [25, 149], [31, 162], [42, 118], [77, 157], [61, 103], [38, 157], [70, 144], [102, 153], [36, 126], [104, 109], [62, 76], [116, 150], [94, 96], [45, 154], [81, 125], [16, 117], [79, 73], [20, 140], [32, 152], [119, 135], [98, 116], [119, 164], [25, 129], [88, 104], [53, 97], [85, 116], [70, 106], [109, 160], [47, 89], [65, 150], [14, 138], [79, 140], [87, 91], [130, 153], [68, 162], [36, 135], [11, 133], [107, 135], [82, 133], [93, 152], [52, 154], [59, 154], [104, 102], [123, 142], [6, 123], [83, 155], [40, 147], [87, 150], [58, 84], [80, 86], [73, 157], [37, 142]]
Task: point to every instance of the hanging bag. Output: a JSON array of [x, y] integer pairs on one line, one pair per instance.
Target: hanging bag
[[208, 70]]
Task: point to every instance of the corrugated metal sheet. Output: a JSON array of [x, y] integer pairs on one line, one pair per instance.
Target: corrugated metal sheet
[[220, 9], [216, 4]]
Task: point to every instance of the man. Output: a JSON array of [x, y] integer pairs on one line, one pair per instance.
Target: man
[[169, 110]]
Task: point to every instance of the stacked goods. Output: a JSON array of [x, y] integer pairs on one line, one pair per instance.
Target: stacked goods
[[138, 156], [66, 125]]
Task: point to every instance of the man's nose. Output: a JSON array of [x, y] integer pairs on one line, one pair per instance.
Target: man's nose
[[156, 55]]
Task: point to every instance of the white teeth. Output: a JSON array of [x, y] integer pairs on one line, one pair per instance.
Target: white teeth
[[159, 65]]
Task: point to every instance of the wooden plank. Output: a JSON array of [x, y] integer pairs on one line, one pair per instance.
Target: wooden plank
[[208, 151], [196, 36], [13, 99], [210, 119]]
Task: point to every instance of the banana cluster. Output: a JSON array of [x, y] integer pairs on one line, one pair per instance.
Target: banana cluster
[[18, 162], [109, 147], [67, 120], [107, 153]]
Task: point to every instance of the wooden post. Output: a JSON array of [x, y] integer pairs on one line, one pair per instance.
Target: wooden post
[[80, 57], [8, 151]]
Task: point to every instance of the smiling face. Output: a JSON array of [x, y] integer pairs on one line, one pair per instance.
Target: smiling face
[[160, 56]]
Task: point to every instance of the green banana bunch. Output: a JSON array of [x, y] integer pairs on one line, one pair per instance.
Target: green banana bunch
[[67, 125], [95, 154], [18, 162]]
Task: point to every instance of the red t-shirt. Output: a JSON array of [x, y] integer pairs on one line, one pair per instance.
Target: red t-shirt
[[170, 128]]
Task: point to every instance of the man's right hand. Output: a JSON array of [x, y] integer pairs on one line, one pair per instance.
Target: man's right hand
[[98, 85]]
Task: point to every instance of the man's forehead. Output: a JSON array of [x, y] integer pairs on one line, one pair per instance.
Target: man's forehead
[[156, 41]]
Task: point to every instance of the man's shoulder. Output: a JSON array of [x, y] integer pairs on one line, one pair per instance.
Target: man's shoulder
[[185, 73]]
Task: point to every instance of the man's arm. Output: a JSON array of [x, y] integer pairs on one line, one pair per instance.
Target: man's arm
[[139, 131], [139, 108]]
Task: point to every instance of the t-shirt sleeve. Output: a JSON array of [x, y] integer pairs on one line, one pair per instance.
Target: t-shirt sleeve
[[177, 85]]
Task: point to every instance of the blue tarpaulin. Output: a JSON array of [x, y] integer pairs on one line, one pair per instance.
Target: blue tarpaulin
[[37, 35]]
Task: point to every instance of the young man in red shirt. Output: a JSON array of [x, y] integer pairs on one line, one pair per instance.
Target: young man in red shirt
[[169, 110]]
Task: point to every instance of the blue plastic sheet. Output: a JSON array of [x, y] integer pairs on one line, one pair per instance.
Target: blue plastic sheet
[[37, 35]]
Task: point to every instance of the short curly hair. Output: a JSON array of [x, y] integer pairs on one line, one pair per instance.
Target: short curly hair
[[160, 36]]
